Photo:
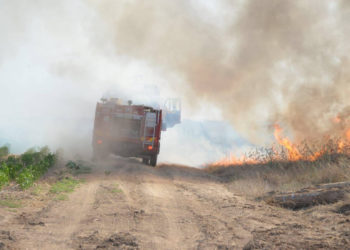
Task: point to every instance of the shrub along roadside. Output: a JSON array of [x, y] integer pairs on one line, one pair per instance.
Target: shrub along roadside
[[4, 151], [4, 178], [25, 169]]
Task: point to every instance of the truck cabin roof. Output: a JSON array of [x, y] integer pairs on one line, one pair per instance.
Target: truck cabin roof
[[112, 105]]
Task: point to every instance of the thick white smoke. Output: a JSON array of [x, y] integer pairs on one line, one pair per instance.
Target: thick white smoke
[[252, 63], [57, 59]]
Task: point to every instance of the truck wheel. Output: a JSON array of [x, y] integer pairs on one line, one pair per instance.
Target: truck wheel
[[153, 161], [95, 157], [145, 161], [99, 155]]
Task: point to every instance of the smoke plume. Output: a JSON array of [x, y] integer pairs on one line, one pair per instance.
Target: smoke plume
[[250, 62], [260, 62]]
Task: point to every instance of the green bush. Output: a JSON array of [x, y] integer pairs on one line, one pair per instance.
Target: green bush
[[26, 178], [4, 175], [14, 166], [79, 167], [26, 168], [4, 179], [4, 151], [5, 168]]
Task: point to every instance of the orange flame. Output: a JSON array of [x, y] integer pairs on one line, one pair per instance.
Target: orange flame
[[233, 160], [348, 134], [341, 145], [293, 152], [336, 119]]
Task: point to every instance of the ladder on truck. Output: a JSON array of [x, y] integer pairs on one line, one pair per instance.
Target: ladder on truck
[[150, 125]]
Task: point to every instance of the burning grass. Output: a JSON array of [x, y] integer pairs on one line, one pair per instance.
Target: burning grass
[[304, 152], [286, 150], [275, 169], [287, 166]]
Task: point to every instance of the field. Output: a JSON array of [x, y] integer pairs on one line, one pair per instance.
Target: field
[[284, 176], [123, 204]]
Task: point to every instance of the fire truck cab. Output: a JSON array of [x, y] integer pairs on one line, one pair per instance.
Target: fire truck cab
[[127, 130]]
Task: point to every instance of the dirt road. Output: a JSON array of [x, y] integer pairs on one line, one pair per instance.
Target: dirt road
[[127, 205]]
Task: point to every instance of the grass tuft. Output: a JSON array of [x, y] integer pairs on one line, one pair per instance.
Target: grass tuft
[[37, 190], [61, 197], [10, 203], [64, 186], [116, 189]]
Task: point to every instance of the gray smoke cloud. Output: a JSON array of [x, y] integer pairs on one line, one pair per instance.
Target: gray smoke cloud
[[252, 63], [260, 62]]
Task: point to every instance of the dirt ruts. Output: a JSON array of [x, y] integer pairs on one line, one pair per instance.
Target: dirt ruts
[[169, 207]]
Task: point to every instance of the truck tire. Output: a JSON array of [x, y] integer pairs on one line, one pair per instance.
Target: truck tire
[[153, 161], [145, 161], [99, 155]]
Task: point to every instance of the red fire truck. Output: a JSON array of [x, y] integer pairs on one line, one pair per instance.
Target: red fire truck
[[127, 130]]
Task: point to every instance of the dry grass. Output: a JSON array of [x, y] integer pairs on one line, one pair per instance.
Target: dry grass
[[282, 175]]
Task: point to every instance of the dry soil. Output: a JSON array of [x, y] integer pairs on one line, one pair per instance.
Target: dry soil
[[126, 205]]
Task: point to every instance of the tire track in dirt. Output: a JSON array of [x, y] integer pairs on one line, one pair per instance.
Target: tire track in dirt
[[180, 217], [61, 221], [161, 225], [109, 219], [213, 207]]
